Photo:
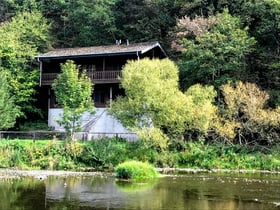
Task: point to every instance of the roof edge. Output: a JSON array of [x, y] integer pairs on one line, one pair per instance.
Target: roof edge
[[143, 48], [85, 55], [156, 44]]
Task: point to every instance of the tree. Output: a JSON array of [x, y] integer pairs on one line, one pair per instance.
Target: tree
[[73, 92], [263, 18], [153, 101], [8, 110], [244, 116], [218, 54], [81, 22], [140, 20], [21, 39]]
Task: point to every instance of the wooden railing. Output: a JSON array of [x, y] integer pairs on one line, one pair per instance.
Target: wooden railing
[[96, 76], [106, 75], [48, 78]]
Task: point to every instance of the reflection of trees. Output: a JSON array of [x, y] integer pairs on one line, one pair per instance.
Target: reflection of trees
[[125, 186], [187, 192], [79, 192], [18, 193]]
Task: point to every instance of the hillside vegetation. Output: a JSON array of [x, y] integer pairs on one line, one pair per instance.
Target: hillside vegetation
[[221, 83]]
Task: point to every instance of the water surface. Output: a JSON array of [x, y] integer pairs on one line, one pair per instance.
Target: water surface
[[190, 191]]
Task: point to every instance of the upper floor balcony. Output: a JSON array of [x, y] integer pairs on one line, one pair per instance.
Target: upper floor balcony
[[98, 77]]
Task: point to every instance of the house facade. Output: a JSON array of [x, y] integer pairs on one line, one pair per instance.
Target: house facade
[[103, 65]]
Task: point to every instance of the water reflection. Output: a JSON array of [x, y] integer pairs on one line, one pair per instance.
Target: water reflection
[[132, 187], [21, 194], [195, 192]]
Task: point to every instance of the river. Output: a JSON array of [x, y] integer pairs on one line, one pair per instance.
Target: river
[[193, 191]]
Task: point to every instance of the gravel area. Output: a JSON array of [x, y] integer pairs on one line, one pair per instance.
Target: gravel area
[[190, 170], [43, 174]]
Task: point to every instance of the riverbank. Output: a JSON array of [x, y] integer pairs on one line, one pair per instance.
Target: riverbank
[[105, 154], [43, 174]]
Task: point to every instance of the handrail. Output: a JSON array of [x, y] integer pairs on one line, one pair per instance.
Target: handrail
[[48, 78]]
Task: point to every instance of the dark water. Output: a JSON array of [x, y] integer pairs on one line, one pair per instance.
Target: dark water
[[192, 191]]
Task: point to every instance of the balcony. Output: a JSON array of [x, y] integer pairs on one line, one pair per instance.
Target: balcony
[[98, 77]]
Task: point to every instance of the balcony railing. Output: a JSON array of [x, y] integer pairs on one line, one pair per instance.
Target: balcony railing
[[98, 77]]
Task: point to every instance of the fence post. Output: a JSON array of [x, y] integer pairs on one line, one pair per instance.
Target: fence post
[[34, 135]]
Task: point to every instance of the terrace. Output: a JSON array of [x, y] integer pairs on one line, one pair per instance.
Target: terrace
[[98, 77]]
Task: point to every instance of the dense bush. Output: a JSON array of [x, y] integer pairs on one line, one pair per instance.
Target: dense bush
[[108, 153], [136, 170], [245, 117]]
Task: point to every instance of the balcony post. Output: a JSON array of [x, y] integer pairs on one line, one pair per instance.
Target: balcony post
[[40, 82], [111, 96]]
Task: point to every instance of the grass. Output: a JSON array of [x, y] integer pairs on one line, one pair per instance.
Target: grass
[[108, 153], [136, 170]]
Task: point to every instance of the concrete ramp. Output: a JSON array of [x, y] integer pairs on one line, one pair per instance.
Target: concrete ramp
[[95, 126]]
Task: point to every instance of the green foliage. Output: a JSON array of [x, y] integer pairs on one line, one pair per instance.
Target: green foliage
[[263, 17], [25, 154], [80, 22], [217, 48], [56, 155], [203, 8], [8, 110], [148, 85], [245, 119], [135, 170], [202, 109], [21, 39], [217, 55], [108, 153], [153, 137], [104, 153], [209, 156], [34, 125], [154, 100], [73, 92], [144, 21]]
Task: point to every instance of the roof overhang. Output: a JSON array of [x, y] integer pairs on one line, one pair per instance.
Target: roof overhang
[[101, 51]]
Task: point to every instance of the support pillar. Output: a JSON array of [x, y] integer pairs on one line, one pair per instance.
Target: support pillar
[[111, 96]]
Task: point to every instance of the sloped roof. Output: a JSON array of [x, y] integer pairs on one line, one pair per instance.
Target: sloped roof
[[139, 48]]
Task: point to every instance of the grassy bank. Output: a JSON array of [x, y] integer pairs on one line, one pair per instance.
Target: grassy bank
[[107, 153]]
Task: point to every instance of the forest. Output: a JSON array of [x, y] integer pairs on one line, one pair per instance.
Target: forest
[[224, 56]]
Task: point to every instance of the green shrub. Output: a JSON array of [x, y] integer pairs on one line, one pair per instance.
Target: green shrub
[[136, 170], [140, 151], [167, 159], [34, 125], [107, 153], [104, 153]]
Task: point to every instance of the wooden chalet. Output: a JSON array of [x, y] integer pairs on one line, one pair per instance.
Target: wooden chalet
[[103, 65]]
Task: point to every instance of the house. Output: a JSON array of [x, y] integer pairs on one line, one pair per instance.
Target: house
[[103, 65]]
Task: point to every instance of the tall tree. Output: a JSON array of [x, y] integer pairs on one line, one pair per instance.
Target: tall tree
[[216, 55], [8, 110], [153, 100], [81, 22], [263, 18], [244, 117], [141, 20], [21, 39], [73, 92]]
